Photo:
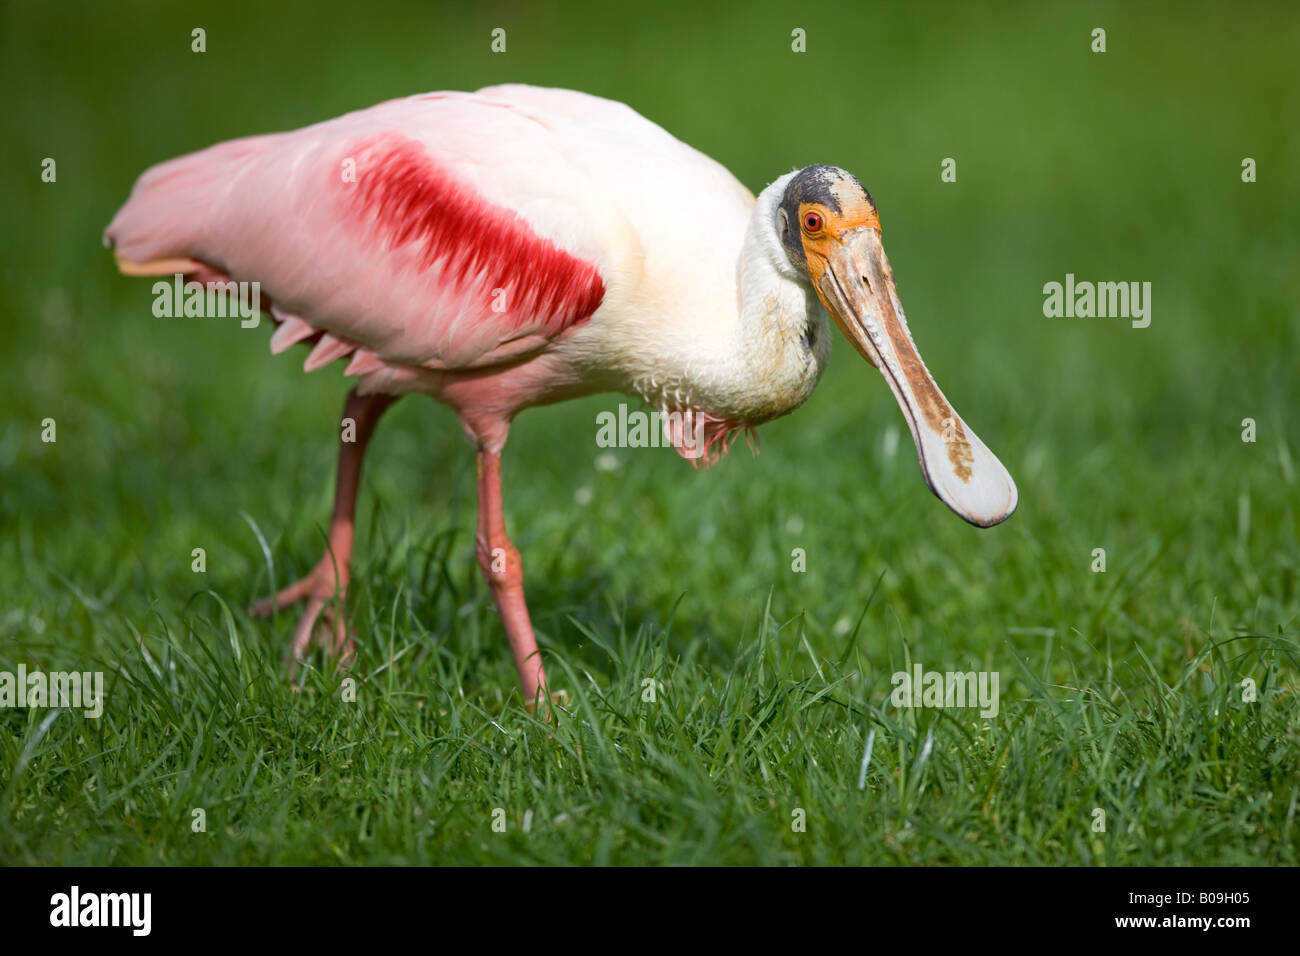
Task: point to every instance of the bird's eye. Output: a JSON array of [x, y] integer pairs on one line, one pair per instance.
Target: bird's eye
[[812, 222]]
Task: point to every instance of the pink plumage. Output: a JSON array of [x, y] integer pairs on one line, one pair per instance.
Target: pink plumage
[[485, 251], [361, 231]]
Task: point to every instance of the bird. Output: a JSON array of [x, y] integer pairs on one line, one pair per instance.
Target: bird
[[518, 246]]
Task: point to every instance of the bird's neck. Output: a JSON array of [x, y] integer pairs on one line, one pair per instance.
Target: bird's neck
[[783, 336], [759, 363]]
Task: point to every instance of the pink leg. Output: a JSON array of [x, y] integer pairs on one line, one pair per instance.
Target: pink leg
[[505, 578], [328, 581]]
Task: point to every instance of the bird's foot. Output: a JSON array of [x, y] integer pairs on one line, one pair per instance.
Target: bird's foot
[[545, 708], [322, 619]]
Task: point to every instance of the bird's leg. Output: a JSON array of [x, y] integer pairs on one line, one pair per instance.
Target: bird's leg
[[499, 560], [328, 581]]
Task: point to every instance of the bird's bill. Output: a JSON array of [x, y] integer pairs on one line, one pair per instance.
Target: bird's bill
[[857, 288]]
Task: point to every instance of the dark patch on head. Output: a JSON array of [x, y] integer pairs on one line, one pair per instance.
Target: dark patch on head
[[812, 184]]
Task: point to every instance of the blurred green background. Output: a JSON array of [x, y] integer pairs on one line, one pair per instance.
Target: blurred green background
[[1122, 166]]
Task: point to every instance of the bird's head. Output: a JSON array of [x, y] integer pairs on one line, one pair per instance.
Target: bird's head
[[830, 230]]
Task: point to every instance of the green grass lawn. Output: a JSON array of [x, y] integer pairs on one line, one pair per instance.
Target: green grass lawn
[[1121, 691]]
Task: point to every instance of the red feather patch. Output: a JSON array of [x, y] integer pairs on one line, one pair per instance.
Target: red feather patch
[[489, 252]]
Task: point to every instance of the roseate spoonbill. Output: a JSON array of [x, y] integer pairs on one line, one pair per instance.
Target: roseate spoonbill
[[518, 246]]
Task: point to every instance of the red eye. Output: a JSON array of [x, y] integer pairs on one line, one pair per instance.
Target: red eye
[[812, 222]]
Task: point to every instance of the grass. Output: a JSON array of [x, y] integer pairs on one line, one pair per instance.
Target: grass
[[1120, 691]]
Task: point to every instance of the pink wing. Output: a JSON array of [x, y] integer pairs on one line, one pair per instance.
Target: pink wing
[[437, 231]]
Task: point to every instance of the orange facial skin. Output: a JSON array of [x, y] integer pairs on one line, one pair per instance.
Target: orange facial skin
[[856, 212]]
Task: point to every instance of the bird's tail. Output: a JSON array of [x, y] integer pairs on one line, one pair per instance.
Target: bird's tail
[[160, 228]]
